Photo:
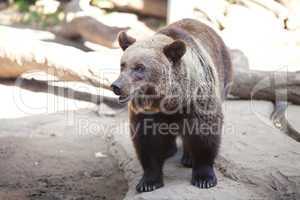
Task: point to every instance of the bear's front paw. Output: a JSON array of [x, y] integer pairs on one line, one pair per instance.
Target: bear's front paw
[[148, 185], [204, 177]]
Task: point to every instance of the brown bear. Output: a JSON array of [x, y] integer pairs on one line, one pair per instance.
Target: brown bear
[[175, 82]]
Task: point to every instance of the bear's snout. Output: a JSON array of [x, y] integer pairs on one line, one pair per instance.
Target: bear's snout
[[116, 88]]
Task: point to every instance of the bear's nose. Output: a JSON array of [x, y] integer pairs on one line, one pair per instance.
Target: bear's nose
[[116, 89]]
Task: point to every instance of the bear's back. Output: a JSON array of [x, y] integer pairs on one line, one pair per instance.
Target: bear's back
[[190, 30]]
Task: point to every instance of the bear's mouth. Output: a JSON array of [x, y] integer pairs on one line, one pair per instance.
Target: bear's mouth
[[124, 99]]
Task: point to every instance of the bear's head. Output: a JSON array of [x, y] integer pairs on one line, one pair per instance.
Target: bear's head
[[147, 67]]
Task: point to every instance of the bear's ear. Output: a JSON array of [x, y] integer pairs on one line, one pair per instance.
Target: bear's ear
[[175, 50], [125, 41]]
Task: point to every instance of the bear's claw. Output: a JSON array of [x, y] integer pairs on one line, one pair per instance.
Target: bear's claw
[[204, 177], [148, 186]]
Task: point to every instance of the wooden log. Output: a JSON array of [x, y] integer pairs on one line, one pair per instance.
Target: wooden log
[[265, 85], [64, 62], [91, 30], [82, 20]]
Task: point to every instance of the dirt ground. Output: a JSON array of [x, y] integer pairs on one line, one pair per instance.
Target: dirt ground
[[54, 169], [42, 158]]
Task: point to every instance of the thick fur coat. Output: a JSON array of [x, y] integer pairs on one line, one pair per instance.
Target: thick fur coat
[[175, 82]]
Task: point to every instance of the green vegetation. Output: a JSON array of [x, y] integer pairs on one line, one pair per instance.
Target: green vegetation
[[23, 5], [35, 17], [41, 20], [232, 1]]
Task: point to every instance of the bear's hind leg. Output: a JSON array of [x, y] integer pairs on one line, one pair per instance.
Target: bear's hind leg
[[171, 148], [186, 159]]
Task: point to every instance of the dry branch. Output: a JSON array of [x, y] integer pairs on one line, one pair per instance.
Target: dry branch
[[281, 122]]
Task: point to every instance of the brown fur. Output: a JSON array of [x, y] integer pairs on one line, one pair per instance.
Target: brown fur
[[184, 71], [190, 30]]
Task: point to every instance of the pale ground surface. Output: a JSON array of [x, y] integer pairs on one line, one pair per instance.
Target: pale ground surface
[[256, 161], [71, 155], [44, 156]]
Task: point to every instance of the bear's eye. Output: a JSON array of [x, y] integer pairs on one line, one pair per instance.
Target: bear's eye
[[122, 66], [139, 68]]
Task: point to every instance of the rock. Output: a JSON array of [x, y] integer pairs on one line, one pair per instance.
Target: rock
[[213, 10], [137, 29], [260, 35], [248, 27], [3, 4], [264, 156], [293, 7], [239, 59], [104, 110], [46, 6]]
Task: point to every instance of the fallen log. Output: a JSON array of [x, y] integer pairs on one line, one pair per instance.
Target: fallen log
[[266, 85], [83, 20], [91, 30], [19, 55]]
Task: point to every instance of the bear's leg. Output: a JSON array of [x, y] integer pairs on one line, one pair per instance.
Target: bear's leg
[[153, 176], [152, 150], [203, 149], [186, 159], [171, 147]]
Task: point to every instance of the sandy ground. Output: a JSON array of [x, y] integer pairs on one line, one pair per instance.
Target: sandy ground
[[43, 156]]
